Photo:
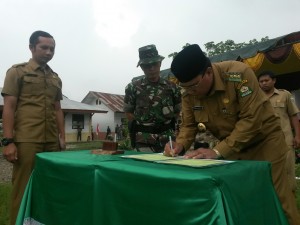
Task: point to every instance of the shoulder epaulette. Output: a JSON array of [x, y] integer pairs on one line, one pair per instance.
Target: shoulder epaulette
[[55, 73], [20, 64], [137, 81], [283, 90]]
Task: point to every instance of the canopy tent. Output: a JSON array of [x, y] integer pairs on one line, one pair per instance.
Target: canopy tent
[[280, 55]]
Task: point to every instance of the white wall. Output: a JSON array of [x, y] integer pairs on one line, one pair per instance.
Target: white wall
[[118, 117], [103, 119], [110, 118], [71, 134]]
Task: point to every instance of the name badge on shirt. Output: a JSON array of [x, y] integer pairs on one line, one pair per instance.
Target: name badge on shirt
[[233, 76]]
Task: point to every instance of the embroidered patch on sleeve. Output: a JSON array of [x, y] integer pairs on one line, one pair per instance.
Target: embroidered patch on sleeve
[[245, 91], [241, 84], [293, 100]]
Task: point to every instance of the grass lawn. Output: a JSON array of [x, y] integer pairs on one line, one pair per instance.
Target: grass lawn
[[5, 188], [4, 203]]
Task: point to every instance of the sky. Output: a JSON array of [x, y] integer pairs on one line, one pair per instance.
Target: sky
[[97, 41]]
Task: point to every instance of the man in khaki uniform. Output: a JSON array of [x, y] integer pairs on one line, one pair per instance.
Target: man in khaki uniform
[[285, 107], [226, 98], [33, 121]]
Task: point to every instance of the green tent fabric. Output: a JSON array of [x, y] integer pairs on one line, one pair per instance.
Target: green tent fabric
[[246, 52], [251, 51]]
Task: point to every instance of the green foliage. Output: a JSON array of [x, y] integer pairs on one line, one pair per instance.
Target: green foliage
[[222, 47], [229, 45], [125, 131], [125, 144]]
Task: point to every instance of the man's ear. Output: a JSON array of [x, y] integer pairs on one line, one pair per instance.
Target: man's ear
[[209, 71]]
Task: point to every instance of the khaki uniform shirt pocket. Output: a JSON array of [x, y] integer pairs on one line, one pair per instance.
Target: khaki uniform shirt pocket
[[32, 85], [201, 116], [279, 105]]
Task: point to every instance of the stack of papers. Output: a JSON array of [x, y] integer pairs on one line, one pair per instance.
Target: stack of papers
[[160, 158]]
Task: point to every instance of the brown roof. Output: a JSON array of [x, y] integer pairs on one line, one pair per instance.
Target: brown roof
[[112, 101]]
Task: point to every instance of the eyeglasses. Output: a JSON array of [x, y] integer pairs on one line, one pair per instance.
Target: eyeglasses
[[191, 87], [150, 65]]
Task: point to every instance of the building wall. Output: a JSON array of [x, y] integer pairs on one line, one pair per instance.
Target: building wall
[[103, 120], [110, 119], [71, 134], [118, 118]]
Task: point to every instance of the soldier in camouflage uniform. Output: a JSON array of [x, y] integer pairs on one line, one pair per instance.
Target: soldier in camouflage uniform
[[151, 104]]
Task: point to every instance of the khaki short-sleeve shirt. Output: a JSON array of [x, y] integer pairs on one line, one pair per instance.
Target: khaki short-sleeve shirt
[[37, 90], [285, 107]]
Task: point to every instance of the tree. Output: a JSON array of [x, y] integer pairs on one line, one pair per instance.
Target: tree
[[222, 47], [175, 53], [229, 45]]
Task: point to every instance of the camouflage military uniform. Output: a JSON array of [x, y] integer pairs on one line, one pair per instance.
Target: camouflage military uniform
[[153, 105]]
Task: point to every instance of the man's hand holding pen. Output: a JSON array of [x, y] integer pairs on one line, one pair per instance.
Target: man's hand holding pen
[[172, 149]]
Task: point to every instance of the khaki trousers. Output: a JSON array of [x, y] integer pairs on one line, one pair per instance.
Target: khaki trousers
[[275, 150], [290, 167], [22, 169], [282, 185]]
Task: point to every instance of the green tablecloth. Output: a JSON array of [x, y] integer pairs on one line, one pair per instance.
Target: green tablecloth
[[69, 188]]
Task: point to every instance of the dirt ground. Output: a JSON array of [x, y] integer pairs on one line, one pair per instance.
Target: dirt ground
[[5, 170]]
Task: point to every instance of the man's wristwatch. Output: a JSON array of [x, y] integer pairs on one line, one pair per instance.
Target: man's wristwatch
[[7, 141]]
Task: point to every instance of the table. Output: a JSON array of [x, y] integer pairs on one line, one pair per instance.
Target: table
[[77, 187]]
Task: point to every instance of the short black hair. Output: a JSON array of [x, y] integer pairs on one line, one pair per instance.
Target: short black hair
[[34, 38], [267, 73]]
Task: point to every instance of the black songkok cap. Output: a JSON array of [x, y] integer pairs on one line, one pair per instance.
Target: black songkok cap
[[189, 63]]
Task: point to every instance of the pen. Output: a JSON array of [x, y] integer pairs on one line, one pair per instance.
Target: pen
[[170, 139]]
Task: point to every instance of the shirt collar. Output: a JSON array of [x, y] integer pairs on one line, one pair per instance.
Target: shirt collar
[[276, 91], [35, 66], [218, 84]]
